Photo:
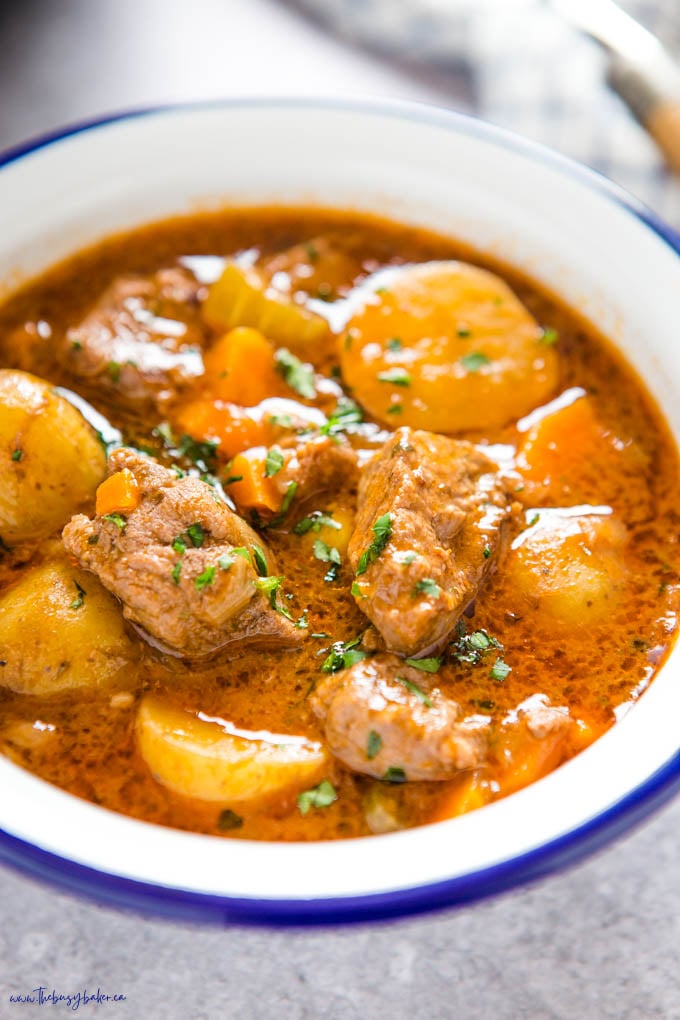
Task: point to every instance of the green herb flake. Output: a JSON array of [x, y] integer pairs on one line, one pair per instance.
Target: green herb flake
[[356, 590], [303, 622], [343, 654], [414, 689], [225, 562], [427, 587], [288, 498], [396, 376], [486, 552], [270, 587], [395, 409], [260, 560], [176, 571], [326, 553], [229, 820], [80, 597], [273, 463], [500, 670], [321, 796], [179, 545], [312, 252], [113, 370], [549, 337], [373, 744], [240, 550], [382, 529], [395, 774], [315, 522], [427, 665], [346, 413], [93, 539], [196, 534], [17, 455], [206, 578], [394, 344], [117, 519], [473, 361], [463, 332], [534, 520], [300, 377], [471, 648]]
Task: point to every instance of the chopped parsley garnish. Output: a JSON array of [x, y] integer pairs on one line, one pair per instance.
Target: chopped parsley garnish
[[427, 665], [500, 670], [240, 550], [315, 522], [229, 820], [397, 376], [394, 344], [470, 648], [486, 552], [288, 497], [485, 704], [179, 545], [394, 774], [320, 796], [382, 529], [201, 453], [343, 655], [463, 332], [427, 587], [225, 562], [328, 554], [176, 571], [283, 421], [273, 463], [79, 600], [312, 253], [414, 689], [395, 409], [534, 520], [113, 369], [270, 586], [17, 455], [117, 519], [196, 534], [473, 361], [549, 337], [356, 590], [206, 578], [303, 622], [406, 558], [300, 377], [260, 560], [373, 744], [346, 413]]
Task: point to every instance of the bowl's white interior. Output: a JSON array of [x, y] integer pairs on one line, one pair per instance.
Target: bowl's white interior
[[419, 167]]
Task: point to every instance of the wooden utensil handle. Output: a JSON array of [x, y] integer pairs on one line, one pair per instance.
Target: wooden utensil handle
[[663, 124]]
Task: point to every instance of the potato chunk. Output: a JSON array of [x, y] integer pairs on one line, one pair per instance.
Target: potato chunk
[[59, 629], [51, 460], [445, 346], [210, 760], [570, 562]]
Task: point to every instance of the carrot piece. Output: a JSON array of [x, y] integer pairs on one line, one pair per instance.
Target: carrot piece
[[240, 367], [562, 442], [469, 792], [233, 427], [118, 494], [251, 489]]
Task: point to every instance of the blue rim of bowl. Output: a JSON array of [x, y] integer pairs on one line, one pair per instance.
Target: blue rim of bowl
[[566, 850]]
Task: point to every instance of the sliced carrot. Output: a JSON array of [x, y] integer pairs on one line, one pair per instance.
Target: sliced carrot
[[232, 426], [562, 442], [469, 792], [118, 494], [528, 758], [251, 489], [240, 367]]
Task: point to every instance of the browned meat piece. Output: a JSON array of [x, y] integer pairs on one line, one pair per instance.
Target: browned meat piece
[[379, 715], [142, 340], [172, 564], [316, 466], [429, 525]]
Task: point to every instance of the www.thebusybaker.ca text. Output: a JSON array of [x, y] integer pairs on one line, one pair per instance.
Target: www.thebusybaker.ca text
[[40, 996]]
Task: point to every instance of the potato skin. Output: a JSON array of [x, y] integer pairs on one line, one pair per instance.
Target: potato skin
[[54, 638], [51, 459]]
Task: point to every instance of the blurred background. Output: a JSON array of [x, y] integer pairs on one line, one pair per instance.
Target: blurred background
[[599, 941], [517, 63]]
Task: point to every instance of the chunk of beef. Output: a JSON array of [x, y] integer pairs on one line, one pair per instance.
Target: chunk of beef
[[142, 340], [172, 564], [447, 505], [317, 465], [379, 715]]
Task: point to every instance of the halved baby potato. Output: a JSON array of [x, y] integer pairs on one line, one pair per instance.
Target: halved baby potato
[[51, 459], [211, 761], [59, 630], [447, 347]]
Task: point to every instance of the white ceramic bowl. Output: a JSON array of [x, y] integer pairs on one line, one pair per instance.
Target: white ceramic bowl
[[570, 230]]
